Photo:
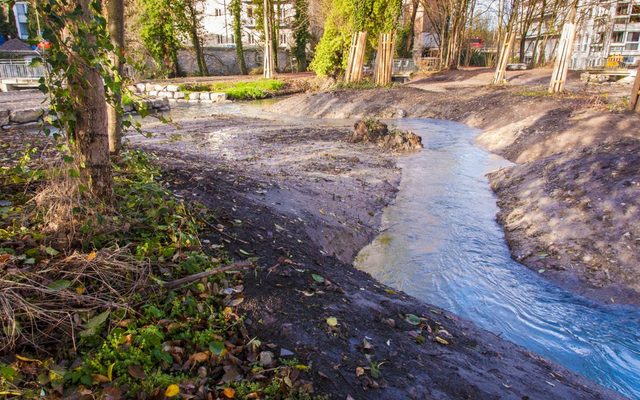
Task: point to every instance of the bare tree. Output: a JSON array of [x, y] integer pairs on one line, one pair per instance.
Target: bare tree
[[115, 24]]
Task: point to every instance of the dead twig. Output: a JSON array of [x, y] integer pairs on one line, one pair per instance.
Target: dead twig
[[205, 274]]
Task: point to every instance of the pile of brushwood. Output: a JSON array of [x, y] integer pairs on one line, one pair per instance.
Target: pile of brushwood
[[120, 300], [378, 133]]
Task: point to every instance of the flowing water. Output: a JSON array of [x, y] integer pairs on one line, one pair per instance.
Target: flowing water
[[442, 244]]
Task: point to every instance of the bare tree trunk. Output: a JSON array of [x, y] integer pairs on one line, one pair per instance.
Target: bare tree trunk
[[90, 134], [269, 64], [634, 102], [412, 26], [115, 21], [195, 38]]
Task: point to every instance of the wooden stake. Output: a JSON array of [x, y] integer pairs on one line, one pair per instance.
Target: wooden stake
[[384, 60], [355, 62], [565, 49], [634, 103], [205, 274], [503, 60]]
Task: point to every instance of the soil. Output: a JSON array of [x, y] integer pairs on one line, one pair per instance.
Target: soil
[[582, 130], [303, 201]]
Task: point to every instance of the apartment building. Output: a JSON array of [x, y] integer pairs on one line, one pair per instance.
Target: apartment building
[[218, 24], [608, 36]]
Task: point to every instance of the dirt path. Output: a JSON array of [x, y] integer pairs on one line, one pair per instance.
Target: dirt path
[[540, 210], [303, 201]]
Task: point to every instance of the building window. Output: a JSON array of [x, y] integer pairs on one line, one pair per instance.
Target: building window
[[217, 12], [20, 13], [622, 9], [617, 37], [633, 39], [283, 38], [250, 12], [219, 39]]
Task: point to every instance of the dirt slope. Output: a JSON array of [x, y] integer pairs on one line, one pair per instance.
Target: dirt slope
[[266, 189], [524, 124]]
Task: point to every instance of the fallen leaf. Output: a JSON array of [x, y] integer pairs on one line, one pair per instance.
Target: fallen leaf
[[137, 372], [172, 390], [60, 285], [359, 371], [97, 378], [91, 256], [317, 278], [199, 357], [441, 341], [229, 393], [332, 321], [413, 319], [4, 258]]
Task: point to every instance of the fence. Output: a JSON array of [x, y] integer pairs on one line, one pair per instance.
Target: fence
[[404, 66], [20, 69]]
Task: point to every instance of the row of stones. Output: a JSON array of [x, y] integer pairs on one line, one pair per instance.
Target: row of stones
[[172, 92], [9, 118]]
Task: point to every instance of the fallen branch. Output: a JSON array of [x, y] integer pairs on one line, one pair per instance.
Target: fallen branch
[[205, 274]]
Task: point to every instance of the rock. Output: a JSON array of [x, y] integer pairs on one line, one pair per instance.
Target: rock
[[141, 87], [173, 88], [24, 116], [286, 329], [204, 96], [158, 88], [218, 97], [178, 95], [153, 93], [266, 358], [165, 95], [376, 132], [127, 108], [194, 96], [285, 353]]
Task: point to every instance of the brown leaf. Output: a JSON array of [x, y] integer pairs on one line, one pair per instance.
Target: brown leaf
[[199, 357], [136, 371], [91, 256], [97, 378], [359, 371]]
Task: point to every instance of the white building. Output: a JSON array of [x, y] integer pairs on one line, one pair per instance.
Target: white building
[[218, 24], [20, 14]]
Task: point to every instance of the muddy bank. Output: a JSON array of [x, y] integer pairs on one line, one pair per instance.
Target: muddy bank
[[303, 201], [523, 124]]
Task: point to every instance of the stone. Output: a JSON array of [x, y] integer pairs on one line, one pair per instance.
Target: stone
[[141, 87], [127, 108], [204, 96], [165, 95], [218, 97], [24, 116], [194, 96], [153, 93], [173, 88], [158, 88], [178, 95], [266, 358], [285, 353]]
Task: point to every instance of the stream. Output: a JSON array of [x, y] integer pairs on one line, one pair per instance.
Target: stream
[[442, 244]]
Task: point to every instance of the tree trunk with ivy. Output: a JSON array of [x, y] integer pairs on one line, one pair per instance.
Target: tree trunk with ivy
[[90, 134], [236, 10], [115, 24], [301, 32]]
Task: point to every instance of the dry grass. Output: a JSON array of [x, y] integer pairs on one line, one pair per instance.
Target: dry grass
[[51, 303]]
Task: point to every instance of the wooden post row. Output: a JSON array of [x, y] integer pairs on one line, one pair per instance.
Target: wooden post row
[[355, 62], [384, 60], [561, 65], [503, 60]]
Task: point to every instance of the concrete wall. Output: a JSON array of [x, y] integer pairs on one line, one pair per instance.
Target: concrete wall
[[221, 61]]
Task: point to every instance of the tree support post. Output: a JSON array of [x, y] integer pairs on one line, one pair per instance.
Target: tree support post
[[634, 103]]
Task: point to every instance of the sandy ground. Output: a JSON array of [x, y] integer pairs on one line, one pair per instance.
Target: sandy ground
[[584, 134], [304, 201]]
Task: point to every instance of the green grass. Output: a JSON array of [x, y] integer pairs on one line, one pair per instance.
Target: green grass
[[245, 90]]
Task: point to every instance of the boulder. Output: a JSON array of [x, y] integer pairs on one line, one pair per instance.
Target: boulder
[[194, 96], [153, 93], [172, 88], [178, 95], [376, 132], [165, 95], [141, 87], [205, 96], [218, 97], [27, 115]]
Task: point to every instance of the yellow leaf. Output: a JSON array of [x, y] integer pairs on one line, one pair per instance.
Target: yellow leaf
[[332, 321], [26, 359], [172, 390], [91, 256], [199, 357], [229, 393], [359, 371], [110, 372], [80, 290], [441, 341]]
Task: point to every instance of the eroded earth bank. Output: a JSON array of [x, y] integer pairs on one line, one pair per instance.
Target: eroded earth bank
[[569, 205], [304, 201]]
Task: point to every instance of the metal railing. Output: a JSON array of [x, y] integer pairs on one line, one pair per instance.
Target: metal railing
[[20, 69], [403, 66]]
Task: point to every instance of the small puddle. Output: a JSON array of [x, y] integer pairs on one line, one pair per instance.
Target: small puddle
[[442, 244]]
